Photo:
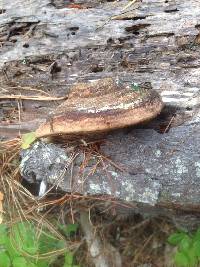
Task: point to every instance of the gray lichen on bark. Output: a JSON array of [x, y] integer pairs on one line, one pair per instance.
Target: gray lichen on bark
[[154, 168]]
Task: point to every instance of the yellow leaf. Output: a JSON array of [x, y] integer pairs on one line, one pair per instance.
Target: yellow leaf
[[28, 139]]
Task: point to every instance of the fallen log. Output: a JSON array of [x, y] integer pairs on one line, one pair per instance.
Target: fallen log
[[48, 46]]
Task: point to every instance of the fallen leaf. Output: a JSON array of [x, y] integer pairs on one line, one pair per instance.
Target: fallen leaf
[[28, 139]]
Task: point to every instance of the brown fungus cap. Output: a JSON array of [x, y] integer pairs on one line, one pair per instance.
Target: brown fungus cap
[[101, 106]]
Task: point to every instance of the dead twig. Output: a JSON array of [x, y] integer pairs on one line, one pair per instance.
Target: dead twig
[[139, 252], [26, 88], [169, 124], [36, 98]]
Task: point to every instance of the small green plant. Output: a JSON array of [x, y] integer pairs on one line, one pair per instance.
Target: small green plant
[[135, 87], [188, 248], [22, 246], [28, 139]]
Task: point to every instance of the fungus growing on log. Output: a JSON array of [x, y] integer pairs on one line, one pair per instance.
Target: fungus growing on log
[[101, 106]]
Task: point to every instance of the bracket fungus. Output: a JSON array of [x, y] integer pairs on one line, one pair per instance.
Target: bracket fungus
[[101, 106]]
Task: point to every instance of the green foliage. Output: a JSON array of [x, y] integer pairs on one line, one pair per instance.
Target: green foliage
[[68, 229], [135, 87], [188, 248], [27, 140], [19, 262], [4, 259], [69, 261], [21, 247]]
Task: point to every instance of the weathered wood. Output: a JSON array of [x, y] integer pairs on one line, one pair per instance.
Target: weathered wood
[[140, 166], [157, 41]]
